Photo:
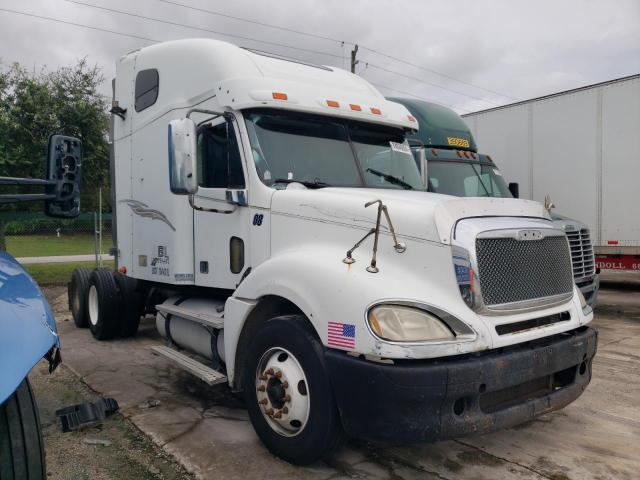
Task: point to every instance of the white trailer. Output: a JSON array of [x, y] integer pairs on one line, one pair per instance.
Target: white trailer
[[579, 147], [255, 199]]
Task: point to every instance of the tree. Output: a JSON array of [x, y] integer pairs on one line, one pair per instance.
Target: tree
[[67, 101]]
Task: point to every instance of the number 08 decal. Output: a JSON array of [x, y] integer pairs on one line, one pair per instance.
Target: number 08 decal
[[257, 219]]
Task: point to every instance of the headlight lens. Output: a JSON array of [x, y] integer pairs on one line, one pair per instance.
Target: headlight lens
[[464, 275], [405, 324]]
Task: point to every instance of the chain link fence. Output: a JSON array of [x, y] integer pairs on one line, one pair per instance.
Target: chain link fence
[[32, 234]]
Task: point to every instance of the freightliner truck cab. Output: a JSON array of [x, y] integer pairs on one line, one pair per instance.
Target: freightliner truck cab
[[455, 167], [271, 215]]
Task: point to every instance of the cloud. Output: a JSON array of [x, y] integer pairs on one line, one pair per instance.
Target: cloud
[[519, 49]]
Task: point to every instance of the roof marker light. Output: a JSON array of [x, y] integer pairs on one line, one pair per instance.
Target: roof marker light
[[333, 103], [279, 96], [355, 108], [411, 118], [376, 111]]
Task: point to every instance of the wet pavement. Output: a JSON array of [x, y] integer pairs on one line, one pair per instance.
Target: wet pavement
[[207, 429]]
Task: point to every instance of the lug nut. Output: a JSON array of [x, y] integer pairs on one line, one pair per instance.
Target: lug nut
[[278, 374], [264, 401], [285, 410], [286, 398], [270, 412], [263, 377], [269, 372], [261, 388], [285, 384], [278, 415]]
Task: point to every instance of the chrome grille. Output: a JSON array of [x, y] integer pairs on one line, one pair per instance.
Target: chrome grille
[[581, 253], [512, 271]]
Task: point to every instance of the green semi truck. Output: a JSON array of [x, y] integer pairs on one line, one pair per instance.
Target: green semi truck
[[454, 167]]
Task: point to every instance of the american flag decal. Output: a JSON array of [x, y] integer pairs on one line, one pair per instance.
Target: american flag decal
[[341, 335]]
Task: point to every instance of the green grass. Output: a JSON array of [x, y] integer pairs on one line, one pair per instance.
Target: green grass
[[57, 273], [47, 245]]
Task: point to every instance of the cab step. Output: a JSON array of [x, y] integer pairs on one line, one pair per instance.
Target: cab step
[[200, 370], [211, 319]]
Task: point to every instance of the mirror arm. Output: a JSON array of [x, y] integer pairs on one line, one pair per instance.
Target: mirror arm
[[226, 115], [212, 210]]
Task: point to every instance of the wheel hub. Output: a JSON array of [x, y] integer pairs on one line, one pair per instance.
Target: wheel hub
[[282, 392]]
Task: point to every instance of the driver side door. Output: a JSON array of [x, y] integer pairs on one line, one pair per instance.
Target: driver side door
[[221, 228]]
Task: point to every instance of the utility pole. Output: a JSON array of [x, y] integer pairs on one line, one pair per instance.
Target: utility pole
[[354, 62]]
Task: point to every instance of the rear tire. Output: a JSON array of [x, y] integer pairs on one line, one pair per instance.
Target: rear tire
[[103, 304], [21, 445], [129, 305], [289, 394], [77, 291]]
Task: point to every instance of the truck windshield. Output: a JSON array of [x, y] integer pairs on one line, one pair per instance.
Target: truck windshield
[[464, 179], [323, 151]]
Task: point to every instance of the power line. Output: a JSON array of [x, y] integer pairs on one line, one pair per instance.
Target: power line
[[403, 92], [195, 27], [415, 79], [78, 25], [255, 22], [377, 52], [342, 42]]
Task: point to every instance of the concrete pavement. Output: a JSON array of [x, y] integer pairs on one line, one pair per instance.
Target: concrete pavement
[[207, 428]]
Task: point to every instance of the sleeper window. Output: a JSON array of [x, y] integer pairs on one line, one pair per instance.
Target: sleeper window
[[147, 83], [219, 163]]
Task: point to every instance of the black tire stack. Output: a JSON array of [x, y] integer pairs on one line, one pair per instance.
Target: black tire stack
[[118, 302], [21, 444]]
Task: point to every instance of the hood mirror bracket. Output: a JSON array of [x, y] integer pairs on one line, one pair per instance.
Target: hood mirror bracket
[[398, 246]]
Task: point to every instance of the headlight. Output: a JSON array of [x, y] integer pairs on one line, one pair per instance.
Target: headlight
[[405, 324], [586, 309], [465, 276]]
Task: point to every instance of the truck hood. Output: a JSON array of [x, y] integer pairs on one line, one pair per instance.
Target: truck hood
[[419, 215]]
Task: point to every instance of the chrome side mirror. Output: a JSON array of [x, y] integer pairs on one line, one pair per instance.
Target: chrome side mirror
[[182, 157]]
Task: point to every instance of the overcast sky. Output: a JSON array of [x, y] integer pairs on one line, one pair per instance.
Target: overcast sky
[[501, 50]]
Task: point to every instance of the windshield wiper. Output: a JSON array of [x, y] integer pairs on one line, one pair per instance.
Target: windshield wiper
[[391, 179], [314, 184]]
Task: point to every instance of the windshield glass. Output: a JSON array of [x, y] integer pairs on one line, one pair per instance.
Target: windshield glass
[[464, 179], [325, 151]]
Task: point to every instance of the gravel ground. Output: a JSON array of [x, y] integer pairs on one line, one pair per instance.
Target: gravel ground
[[115, 450]]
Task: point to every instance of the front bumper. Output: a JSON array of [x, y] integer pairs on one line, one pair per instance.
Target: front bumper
[[431, 400]]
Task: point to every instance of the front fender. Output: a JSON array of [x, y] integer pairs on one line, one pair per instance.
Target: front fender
[[328, 290], [27, 325]]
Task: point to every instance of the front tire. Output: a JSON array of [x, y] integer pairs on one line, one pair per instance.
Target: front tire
[[103, 304], [21, 445], [288, 392]]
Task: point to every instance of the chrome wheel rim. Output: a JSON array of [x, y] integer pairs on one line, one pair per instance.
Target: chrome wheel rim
[[282, 392], [93, 305]]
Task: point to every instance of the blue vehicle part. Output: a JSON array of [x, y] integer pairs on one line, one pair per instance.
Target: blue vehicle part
[[27, 326]]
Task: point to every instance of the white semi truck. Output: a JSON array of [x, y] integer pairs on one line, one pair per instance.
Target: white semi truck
[[575, 146], [272, 216]]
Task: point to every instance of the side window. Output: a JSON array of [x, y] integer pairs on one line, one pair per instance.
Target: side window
[[219, 163], [147, 83]]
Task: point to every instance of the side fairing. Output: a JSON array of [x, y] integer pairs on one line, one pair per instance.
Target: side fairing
[[27, 326]]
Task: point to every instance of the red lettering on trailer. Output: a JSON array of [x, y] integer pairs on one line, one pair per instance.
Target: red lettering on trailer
[[612, 242], [618, 262]]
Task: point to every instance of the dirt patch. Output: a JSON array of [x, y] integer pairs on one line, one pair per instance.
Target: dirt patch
[[115, 450]]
